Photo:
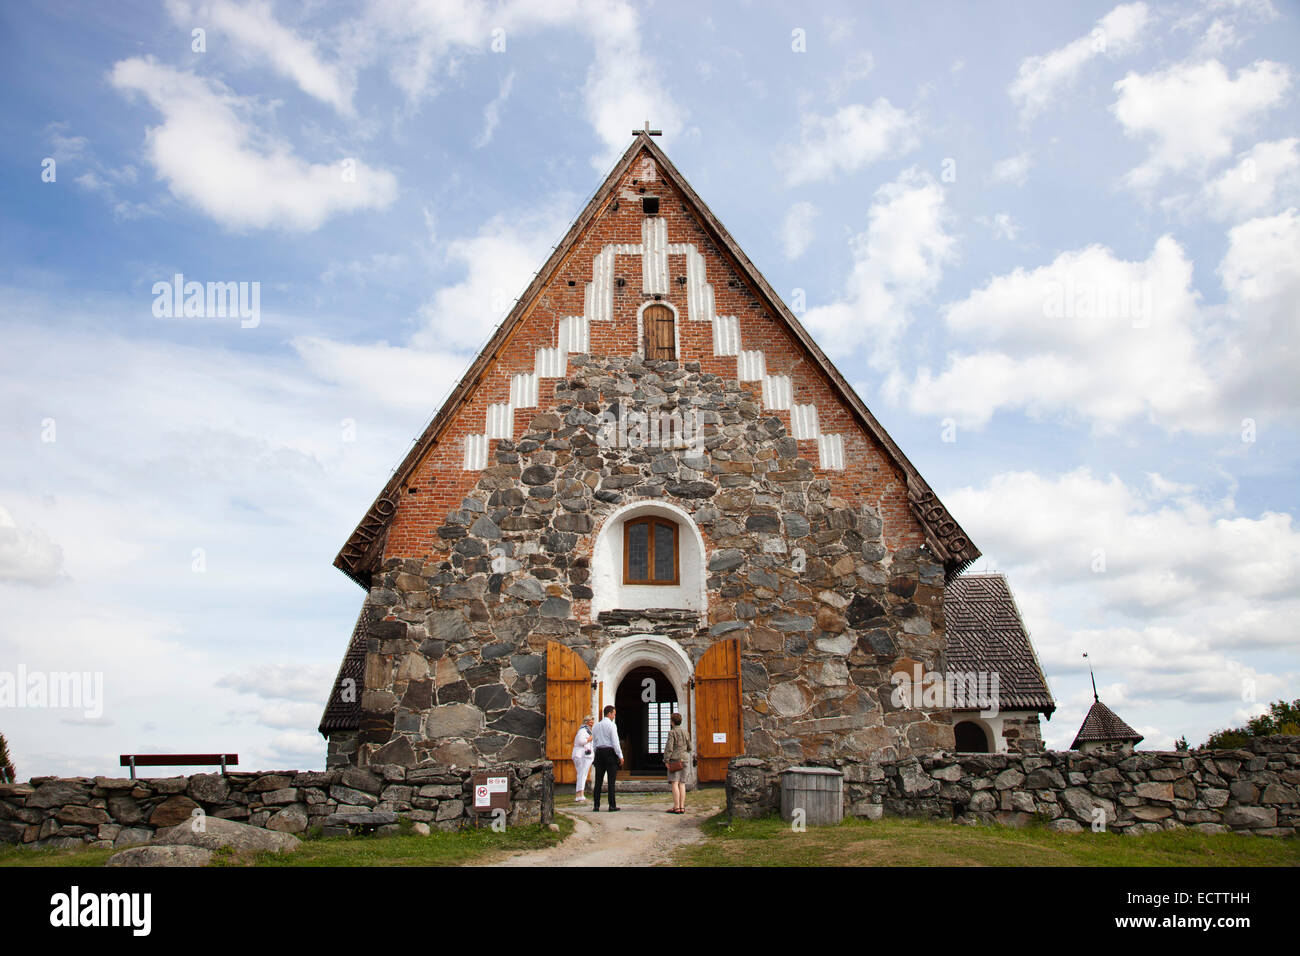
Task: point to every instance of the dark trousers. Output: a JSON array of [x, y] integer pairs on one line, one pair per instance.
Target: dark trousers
[[606, 763]]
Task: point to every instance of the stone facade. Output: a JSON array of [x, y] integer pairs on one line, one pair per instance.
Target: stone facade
[[1255, 790], [806, 579], [805, 534], [111, 811]]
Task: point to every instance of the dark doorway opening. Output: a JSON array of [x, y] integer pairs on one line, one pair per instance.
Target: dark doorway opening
[[645, 700], [971, 738]]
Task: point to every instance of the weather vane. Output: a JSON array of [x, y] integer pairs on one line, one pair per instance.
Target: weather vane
[[1094, 678]]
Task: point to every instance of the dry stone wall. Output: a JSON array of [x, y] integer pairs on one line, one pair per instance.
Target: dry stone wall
[[110, 811], [1254, 790], [823, 603]]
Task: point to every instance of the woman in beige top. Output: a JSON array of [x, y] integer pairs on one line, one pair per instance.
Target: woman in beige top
[[676, 750]]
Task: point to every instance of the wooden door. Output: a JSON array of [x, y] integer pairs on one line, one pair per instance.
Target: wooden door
[[660, 337], [568, 700], [717, 707]]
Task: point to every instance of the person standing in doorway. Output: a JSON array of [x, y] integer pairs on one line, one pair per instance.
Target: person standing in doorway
[[582, 756], [676, 750], [609, 757]]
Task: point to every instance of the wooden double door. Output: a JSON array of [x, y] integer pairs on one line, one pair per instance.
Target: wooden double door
[[713, 708]]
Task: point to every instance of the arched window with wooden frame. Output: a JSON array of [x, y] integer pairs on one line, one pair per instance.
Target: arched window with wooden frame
[[660, 332], [650, 552]]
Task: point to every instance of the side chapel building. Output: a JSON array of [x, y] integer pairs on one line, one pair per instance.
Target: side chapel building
[[653, 489]]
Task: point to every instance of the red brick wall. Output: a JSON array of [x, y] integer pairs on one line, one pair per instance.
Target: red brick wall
[[440, 481]]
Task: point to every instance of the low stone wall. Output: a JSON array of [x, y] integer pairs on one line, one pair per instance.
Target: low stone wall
[[108, 811], [1254, 790]]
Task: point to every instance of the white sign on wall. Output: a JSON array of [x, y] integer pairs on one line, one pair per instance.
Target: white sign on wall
[[719, 738]]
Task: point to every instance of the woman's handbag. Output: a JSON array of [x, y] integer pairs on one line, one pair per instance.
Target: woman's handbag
[[675, 766]]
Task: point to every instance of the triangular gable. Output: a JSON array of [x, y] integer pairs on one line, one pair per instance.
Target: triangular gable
[[943, 535]]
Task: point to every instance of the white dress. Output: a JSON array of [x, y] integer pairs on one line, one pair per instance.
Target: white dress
[[582, 757]]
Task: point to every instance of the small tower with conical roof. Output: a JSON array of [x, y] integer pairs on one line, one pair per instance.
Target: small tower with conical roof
[[1103, 729]]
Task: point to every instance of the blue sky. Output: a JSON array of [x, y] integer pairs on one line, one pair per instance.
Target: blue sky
[[1057, 251]]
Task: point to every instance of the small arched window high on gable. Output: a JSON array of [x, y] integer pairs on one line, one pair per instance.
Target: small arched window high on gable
[[650, 552], [660, 332]]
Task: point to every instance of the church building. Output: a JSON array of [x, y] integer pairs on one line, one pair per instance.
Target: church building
[[653, 489]]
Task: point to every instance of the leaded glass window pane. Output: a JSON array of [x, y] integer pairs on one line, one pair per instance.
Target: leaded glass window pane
[[638, 552], [663, 552]]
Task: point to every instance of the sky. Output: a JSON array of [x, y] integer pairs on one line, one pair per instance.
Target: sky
[[1055, 248]]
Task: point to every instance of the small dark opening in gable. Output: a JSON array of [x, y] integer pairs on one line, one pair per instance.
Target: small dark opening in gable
[[650, 205]]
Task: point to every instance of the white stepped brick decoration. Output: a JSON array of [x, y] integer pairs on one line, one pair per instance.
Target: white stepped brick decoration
[[699, 293], [500, 421], [476, 452], [523, 390], [830, 449], [573, 334], [551, 363], [778, 391], [598, 294], [803, 421], [752, 366], [726, 335], [654, 255]]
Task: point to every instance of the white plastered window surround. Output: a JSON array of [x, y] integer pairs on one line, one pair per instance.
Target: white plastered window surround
[[608, 590]]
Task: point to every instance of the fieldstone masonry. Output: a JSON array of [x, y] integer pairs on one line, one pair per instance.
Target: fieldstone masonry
[[109, 811], [455, 664], [1255, 790]]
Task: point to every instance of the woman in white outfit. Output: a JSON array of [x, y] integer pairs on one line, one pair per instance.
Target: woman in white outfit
[[582, 755]]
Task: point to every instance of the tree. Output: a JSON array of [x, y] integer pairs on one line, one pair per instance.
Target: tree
[[1281, 718], [7, 772], [1180, 744]]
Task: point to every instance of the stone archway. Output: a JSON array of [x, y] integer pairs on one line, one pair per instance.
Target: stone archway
[[651, 651]]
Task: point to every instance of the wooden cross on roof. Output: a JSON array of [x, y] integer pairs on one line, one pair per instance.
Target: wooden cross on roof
[[647, 131]]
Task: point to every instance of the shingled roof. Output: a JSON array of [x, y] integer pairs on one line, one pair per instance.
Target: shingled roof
[[341, 714], [1102, 725], [945, 538], [985, 633]]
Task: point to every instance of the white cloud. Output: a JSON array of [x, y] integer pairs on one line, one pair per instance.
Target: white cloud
[[797, 230], [1260, 346], [1003, 226], [897, 264], [27, 555], [1089, 334], [499, 263], [408, 377], [213, 158], [1191, 113], [1263, 174], [1013, 169], [1040, 78], [492, 112], [850, 138], [257, 35], [624, 86], [1177, 600]]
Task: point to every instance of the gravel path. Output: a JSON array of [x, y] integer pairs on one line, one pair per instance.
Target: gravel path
[[640, 834]]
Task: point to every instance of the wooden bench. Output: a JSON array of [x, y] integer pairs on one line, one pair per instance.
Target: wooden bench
[[178, 760]]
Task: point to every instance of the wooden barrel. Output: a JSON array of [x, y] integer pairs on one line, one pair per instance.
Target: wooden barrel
[[818, 791]]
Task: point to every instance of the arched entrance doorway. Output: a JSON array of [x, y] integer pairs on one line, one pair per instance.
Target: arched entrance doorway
[[971, 738], [646, 700], [620, 677]]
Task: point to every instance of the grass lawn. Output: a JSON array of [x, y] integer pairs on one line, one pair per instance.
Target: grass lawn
[[905, 842], [437, 849]]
